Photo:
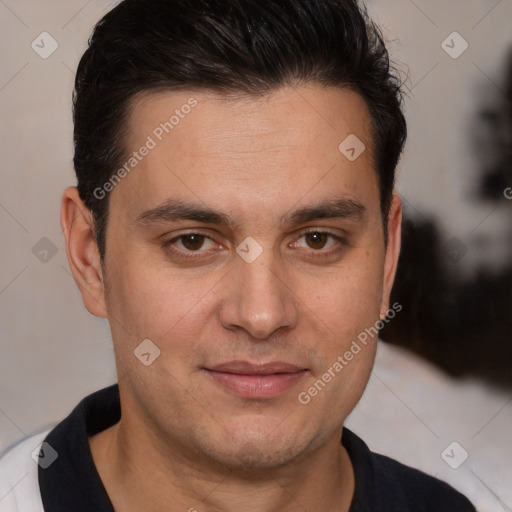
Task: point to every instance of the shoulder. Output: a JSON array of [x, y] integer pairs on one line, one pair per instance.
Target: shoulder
[[384, 484], [415, 489], [19, 486]]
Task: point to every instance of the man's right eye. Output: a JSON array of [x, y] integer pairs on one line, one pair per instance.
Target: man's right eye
[[191, 242]]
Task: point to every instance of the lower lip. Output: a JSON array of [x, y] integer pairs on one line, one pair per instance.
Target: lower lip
[[257, 386]]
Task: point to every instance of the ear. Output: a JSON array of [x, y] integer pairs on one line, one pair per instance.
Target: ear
[[82, 251], [392, 251]]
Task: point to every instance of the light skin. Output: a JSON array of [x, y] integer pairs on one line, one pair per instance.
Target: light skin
[[185, 440]]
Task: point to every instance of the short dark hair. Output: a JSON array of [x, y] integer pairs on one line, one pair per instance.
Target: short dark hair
[[226, 46]]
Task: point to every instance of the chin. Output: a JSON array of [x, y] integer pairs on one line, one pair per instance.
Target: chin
[[257, 449], [251, 456]]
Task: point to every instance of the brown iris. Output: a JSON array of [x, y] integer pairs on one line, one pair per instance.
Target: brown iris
[[193, 242], [318, 240]]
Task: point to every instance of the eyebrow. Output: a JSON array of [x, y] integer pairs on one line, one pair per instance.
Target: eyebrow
[[174, 210]]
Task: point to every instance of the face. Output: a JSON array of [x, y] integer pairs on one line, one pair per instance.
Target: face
[[250, 250]]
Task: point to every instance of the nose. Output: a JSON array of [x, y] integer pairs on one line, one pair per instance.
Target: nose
[[259, 298]]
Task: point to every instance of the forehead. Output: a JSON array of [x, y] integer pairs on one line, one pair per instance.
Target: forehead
[[297, 114], [236, 149]]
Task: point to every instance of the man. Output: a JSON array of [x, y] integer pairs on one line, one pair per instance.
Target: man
[[235, 222]]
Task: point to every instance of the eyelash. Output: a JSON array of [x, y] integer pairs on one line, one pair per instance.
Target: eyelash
[[342, 243]]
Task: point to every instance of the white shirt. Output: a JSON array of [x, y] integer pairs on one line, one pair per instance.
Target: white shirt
[[19, 486]]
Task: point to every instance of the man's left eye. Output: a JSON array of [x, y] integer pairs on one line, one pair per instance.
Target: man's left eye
[[318, 240]]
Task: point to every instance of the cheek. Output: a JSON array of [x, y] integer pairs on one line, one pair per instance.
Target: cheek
[[347, 299], [142, 308], [347, 313], [148, 301]]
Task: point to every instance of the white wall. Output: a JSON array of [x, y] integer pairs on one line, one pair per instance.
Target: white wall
[[438, 172]]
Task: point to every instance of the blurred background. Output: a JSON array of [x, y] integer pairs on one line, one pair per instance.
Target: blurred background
[[440, 396]]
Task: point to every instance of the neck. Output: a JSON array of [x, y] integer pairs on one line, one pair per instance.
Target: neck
[[139, 473]]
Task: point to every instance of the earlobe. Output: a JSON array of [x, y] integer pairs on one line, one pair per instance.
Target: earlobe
[[82, 251], [392, 251]]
